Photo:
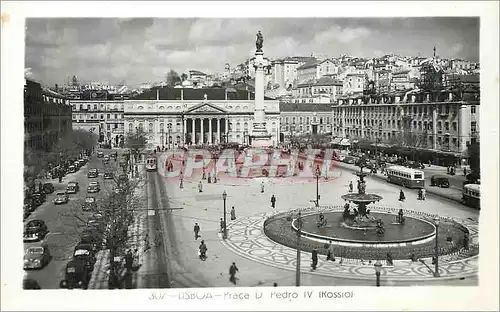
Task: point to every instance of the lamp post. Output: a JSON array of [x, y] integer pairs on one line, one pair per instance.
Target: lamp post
[[169, 126], [224, 234], [436, 251], [297, 269], [318, 173], [378, 268]]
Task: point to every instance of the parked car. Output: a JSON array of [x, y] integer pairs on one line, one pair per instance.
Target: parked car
[[93, 173], [71, 169], [26, 211], [440, 181], [340, 157], [100, 154], [114, 155], [35, 231], [36, 257], [86, 247], [73, 188], [89, 203], [77, 275], [61, 198], [93, 187], [29, 283], [349, 160], [29, 204], [48, 188], [37, 199], [108, 175]]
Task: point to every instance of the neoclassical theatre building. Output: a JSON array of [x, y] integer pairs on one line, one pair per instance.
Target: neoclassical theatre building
[[182, 116]]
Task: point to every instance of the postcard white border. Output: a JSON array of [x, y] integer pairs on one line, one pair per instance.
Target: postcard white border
[[484, 296]]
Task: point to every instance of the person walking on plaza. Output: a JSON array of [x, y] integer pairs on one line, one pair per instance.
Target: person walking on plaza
[[262, 187], [314, 259], [196, 231], [232, 273], [203, 251], [200, 187], [330, 252], [465, 171], [401, 195], [233, 214], [129, 260], [221, 225], [423, 193], [273, 201], [350, 187]]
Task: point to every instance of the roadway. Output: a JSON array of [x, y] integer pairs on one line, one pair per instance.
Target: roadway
[[60, 219]]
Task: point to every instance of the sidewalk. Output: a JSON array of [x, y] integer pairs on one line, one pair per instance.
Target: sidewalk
[[262, 262]]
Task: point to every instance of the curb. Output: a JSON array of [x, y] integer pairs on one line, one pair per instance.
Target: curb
[[428, 191]]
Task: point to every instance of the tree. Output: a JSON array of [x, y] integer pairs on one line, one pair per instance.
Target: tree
[[184, 76], [136, 141], [114, 214], [173, 78]]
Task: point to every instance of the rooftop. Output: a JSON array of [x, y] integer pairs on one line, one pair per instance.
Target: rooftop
[[166, 93], [305, 107], [309, 64]]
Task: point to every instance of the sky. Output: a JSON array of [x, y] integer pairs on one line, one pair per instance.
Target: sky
[[135, 51]]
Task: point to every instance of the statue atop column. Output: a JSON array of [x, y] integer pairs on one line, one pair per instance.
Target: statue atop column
[[259, 43]]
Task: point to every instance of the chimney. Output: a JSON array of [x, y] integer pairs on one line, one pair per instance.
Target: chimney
[[56, 88], [182, 94], [158, 94]]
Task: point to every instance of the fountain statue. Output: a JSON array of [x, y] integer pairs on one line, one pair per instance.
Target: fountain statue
[[359, 218]]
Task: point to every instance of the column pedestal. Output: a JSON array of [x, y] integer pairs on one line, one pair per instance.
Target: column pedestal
[[259, 136]]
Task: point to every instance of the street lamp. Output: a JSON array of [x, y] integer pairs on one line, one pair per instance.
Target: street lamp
[[436, 251], [224, 196], [318, 174], [169, 126], [378, 268], [297, 269]]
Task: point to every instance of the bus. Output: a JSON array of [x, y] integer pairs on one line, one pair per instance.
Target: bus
[[471, 195], [151, 164], [407, 177]]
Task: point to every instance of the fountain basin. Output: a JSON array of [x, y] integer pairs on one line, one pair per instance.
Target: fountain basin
[[413, 232], [361, 198]]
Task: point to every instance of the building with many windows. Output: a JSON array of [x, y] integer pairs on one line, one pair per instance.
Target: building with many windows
[[324, 90], [303, 119], [47, 116], [177, 116], [442, 121]]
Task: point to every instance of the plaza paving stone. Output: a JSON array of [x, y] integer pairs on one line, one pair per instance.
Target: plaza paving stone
[[262, 261]]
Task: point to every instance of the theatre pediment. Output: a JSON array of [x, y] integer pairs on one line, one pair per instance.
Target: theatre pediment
[[205, 108]]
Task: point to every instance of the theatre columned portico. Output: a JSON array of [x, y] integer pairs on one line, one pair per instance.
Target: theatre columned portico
[[206, 124]]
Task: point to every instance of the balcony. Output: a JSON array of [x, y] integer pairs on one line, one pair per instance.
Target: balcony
[[117, 131]]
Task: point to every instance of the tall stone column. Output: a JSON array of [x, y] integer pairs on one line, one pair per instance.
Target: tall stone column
[[202, 135], [434, 127], [362, 122], [260, 136], [184, 131], [210, 131], [226, 129], [193, 132], [218, 130]]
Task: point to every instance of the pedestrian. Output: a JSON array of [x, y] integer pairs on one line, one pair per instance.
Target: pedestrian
[[466, 241], [200, 187], [233, 214], [232, 273], [314, 258], [135, 262], [129, 259], [40, 187], [221, 225], [203, 251], [273, 201], [196, 231], [146, 242], [419, 194], [204, 177], [350, 187], [275, 284], [389, 259], [465, 171], [401, 195], [182, 183], [330, 255], [262, 187], [423, 193], [158, 238]]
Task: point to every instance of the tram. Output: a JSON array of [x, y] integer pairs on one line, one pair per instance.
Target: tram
[[151, 164], [471, 195], [406, 177]]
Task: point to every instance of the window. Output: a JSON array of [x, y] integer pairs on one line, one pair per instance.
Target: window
[[439, 125], [300, 120], [108, 116], [130, 127], [454, 126], [141, 127], [116, 116], [321, 120], [95, 106], [293, 120], [74, 116], [473, 126], [446, 126], [473, 109], [150, 127], [307, 120], [108, 127]]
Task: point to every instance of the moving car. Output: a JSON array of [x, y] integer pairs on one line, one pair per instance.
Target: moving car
[[349, 160], [86, 256], [77, 275], [48, 188], [108, 175], [100, 154], [93, 173], [35, 231], [93, 187], [61, 198], [89, 203], [440, 181], [72, 188], [85, 246], [36, 257], [37, 199], [114, 155]]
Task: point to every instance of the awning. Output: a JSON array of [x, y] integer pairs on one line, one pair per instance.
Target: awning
[[345, 142], [336, 141]]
